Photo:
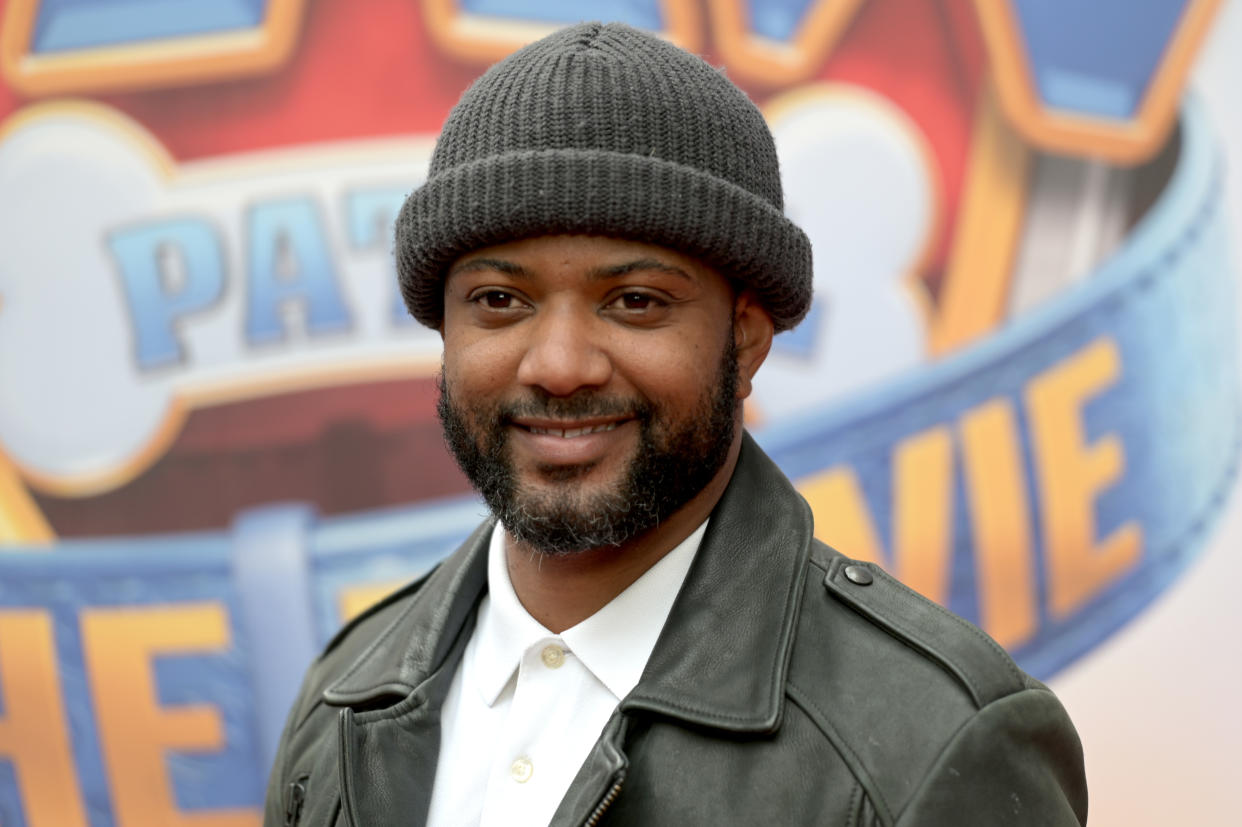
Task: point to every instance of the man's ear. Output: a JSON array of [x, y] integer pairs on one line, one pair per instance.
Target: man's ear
[[752, 337]]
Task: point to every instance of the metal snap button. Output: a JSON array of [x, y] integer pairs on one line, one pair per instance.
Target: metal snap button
[[858, 575]]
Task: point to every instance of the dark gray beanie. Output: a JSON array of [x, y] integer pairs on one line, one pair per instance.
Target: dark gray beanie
[[600, 129]]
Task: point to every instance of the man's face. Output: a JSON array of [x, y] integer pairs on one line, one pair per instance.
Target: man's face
[[590, 385]]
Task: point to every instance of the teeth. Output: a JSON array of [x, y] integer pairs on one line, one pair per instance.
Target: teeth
[[568, 433]]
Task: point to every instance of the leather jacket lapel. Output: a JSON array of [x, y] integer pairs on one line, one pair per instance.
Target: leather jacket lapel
[[722, 658], [389, 755], [389, 726], [418, 641]]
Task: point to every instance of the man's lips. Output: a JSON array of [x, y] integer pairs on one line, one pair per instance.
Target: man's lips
[[569, 429], [569, 442]]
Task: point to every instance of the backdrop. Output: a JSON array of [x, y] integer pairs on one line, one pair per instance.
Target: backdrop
[[1017, 389]]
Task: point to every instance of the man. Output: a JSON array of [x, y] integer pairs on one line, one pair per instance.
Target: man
[[647, 633]]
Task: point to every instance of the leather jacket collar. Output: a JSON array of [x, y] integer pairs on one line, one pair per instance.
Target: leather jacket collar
[[721, 660]]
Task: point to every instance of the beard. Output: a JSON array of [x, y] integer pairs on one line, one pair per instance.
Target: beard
[[675, 459]]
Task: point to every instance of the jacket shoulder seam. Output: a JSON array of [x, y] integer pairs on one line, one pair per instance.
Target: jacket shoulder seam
[[979, 663], [870, 788], [973, 631]]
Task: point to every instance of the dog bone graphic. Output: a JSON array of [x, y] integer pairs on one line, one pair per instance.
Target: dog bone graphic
[[133, 288], [859, 180]]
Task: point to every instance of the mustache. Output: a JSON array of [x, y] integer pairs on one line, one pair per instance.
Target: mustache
[[579, 405]]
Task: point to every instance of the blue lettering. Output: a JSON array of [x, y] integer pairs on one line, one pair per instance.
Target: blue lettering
[[369, 217], [169, 269], [289, 261]]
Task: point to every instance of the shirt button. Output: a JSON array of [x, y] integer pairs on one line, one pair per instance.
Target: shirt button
[[522, 770], [553, 656]]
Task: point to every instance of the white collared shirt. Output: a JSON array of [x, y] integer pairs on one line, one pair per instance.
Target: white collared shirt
[[526, 706]]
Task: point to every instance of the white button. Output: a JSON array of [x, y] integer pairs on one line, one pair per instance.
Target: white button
[[553, 656], [522, 770]]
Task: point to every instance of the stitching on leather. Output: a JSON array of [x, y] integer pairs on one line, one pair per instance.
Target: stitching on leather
[[419, 695], [796, 584], [698, 710], [820, 719], [854, 813], [343, 777], [1010, 666], [365, 657], [392, 627]]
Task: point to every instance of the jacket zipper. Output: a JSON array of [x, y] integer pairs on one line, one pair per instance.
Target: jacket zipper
[[607, 802]]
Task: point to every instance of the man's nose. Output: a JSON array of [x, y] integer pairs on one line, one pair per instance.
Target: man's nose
[[564, 353]]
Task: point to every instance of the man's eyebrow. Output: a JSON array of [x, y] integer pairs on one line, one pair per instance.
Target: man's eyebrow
[[498, 264], [638, 265]]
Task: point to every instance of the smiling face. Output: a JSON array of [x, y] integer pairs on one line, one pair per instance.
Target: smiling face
[[591, 385]]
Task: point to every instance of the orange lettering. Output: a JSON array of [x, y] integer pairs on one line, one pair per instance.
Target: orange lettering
[[1071, 474], [354, 600], [922, 512], [842, 519], [1001, 522], [32, 732], [134, 730]]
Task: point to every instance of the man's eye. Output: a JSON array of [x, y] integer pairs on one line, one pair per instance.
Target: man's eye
[[638, 301], [497, 299]]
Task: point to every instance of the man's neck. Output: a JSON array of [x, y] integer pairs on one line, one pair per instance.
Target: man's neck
[[562, 590]]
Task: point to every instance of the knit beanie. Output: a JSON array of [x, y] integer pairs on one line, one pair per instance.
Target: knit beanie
[[600, 129]]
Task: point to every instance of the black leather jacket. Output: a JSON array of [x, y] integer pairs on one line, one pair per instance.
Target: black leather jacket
[[784, 689]]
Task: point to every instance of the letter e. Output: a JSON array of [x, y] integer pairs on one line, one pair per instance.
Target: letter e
[[134, 730], [1071, 473]]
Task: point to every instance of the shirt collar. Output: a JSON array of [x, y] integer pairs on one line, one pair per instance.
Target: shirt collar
[[615, 643], [505, 629]]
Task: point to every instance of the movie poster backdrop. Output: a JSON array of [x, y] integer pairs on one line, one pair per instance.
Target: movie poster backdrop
[[1017, 389]]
